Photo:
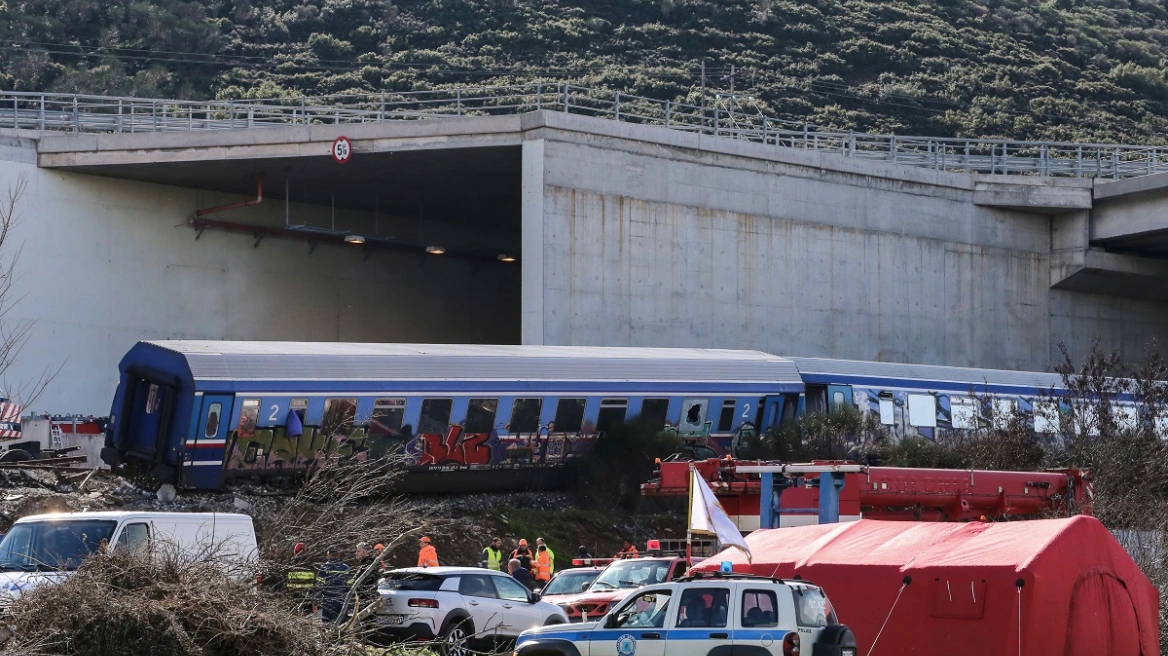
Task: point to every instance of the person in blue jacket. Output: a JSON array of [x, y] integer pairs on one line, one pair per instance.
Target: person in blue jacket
[[332, 584]]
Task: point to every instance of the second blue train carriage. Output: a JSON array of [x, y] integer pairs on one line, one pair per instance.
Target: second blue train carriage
[[197, 413]]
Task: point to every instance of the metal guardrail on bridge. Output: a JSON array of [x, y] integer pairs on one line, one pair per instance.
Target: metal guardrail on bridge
[[724, 117]]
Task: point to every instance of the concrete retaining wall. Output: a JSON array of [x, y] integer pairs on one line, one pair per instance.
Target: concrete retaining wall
[[107, 262], [657, 246]]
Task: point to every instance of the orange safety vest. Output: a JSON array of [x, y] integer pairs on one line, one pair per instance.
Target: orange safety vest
[[428, 556], [624, 554], [543, 566]]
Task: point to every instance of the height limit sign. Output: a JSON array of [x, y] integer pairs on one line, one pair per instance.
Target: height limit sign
[[342, 150]]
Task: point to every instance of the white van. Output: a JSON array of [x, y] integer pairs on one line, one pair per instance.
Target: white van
[[41, 548]]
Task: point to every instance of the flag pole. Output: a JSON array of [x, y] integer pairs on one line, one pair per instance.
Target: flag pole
[[689, 521]]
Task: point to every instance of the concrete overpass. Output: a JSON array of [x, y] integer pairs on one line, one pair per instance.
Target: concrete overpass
[[625, 234]]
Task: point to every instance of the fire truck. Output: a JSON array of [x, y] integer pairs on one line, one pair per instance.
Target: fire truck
[[826, 491]]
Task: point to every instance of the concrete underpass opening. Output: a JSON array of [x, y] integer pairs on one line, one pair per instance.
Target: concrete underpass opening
[[414, 246]]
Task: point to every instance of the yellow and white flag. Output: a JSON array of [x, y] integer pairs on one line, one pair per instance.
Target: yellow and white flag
[[707, 517]]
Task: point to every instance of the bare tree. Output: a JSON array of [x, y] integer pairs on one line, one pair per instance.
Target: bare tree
[[15, 333]]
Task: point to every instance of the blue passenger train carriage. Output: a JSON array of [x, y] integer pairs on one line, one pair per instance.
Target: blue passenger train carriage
[[468, 417], [932, 400]]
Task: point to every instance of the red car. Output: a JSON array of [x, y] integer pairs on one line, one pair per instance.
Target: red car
[[617, 581], [569, 583]]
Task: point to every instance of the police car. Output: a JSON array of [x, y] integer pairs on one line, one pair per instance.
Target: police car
[[704, 615]]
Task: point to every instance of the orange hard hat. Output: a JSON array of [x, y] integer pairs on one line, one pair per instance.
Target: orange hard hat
[[425, 539], [522, 543], [378, 547]]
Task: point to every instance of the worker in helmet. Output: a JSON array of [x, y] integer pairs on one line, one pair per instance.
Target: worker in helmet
[[427, 554], [300, 578], [522, 547]]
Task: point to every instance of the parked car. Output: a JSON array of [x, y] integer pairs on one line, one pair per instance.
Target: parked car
[[568, 582], [701, 615], [464, 607], [617, 581]]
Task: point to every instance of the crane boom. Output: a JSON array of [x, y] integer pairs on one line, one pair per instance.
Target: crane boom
[[894, 493]]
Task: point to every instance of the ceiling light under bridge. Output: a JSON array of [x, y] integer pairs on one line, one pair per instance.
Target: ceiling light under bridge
[[354, 239], [506, 257], [435, 249]]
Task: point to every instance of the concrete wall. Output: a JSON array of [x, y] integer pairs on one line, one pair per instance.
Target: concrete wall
[[90, 443], [107, 262], [735, 246]]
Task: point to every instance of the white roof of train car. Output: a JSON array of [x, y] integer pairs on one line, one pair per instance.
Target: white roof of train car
[[821, 368], [375, 361]]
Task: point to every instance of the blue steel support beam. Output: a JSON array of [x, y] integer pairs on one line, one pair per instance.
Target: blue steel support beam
[[767, 517], [830, 485]]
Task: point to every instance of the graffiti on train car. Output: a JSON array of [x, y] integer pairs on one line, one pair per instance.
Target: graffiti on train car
[[274, 450]]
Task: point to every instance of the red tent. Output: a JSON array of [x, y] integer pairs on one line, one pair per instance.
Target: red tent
[[1066, 584]]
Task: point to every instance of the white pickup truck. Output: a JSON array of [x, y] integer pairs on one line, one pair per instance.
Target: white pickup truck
[[705, 615]]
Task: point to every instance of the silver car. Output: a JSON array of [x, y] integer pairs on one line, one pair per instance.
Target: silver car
[[463, 607]]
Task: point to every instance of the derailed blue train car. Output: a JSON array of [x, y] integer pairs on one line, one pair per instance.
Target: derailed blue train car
[[467, 417]]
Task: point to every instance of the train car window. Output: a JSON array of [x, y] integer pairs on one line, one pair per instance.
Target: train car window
[[1004, 412], [480, 415], [570, 415], [1086, 421], [837, 399], [612, 412], [1046, 417], [655, 409], [1162, 426], [248, 416], [300, 407], [726, 419], [887, 409], [525, 416], [922, 410], [816, 398], [340, 415], [388, 416], [1127, 417], [790, 407], [152, 399], [213, 414], [963, 412], [435, 418]]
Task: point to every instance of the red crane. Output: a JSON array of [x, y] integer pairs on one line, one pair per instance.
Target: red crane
[[894, 493]]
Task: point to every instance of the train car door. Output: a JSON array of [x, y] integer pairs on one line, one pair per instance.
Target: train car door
[[839, 396], [771, 413], [147, 424], [206, 446]]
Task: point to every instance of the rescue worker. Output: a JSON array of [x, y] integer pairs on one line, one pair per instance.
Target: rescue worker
[[427, 554], [525, 559], [541, 544], [542, 566], [492, 557], [628, 549], [519, 572], [331, 585], [582, 552], [522, 545], [299, 580], [377, 549]]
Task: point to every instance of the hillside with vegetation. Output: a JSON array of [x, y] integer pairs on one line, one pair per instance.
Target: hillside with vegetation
[[1088, 70]]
